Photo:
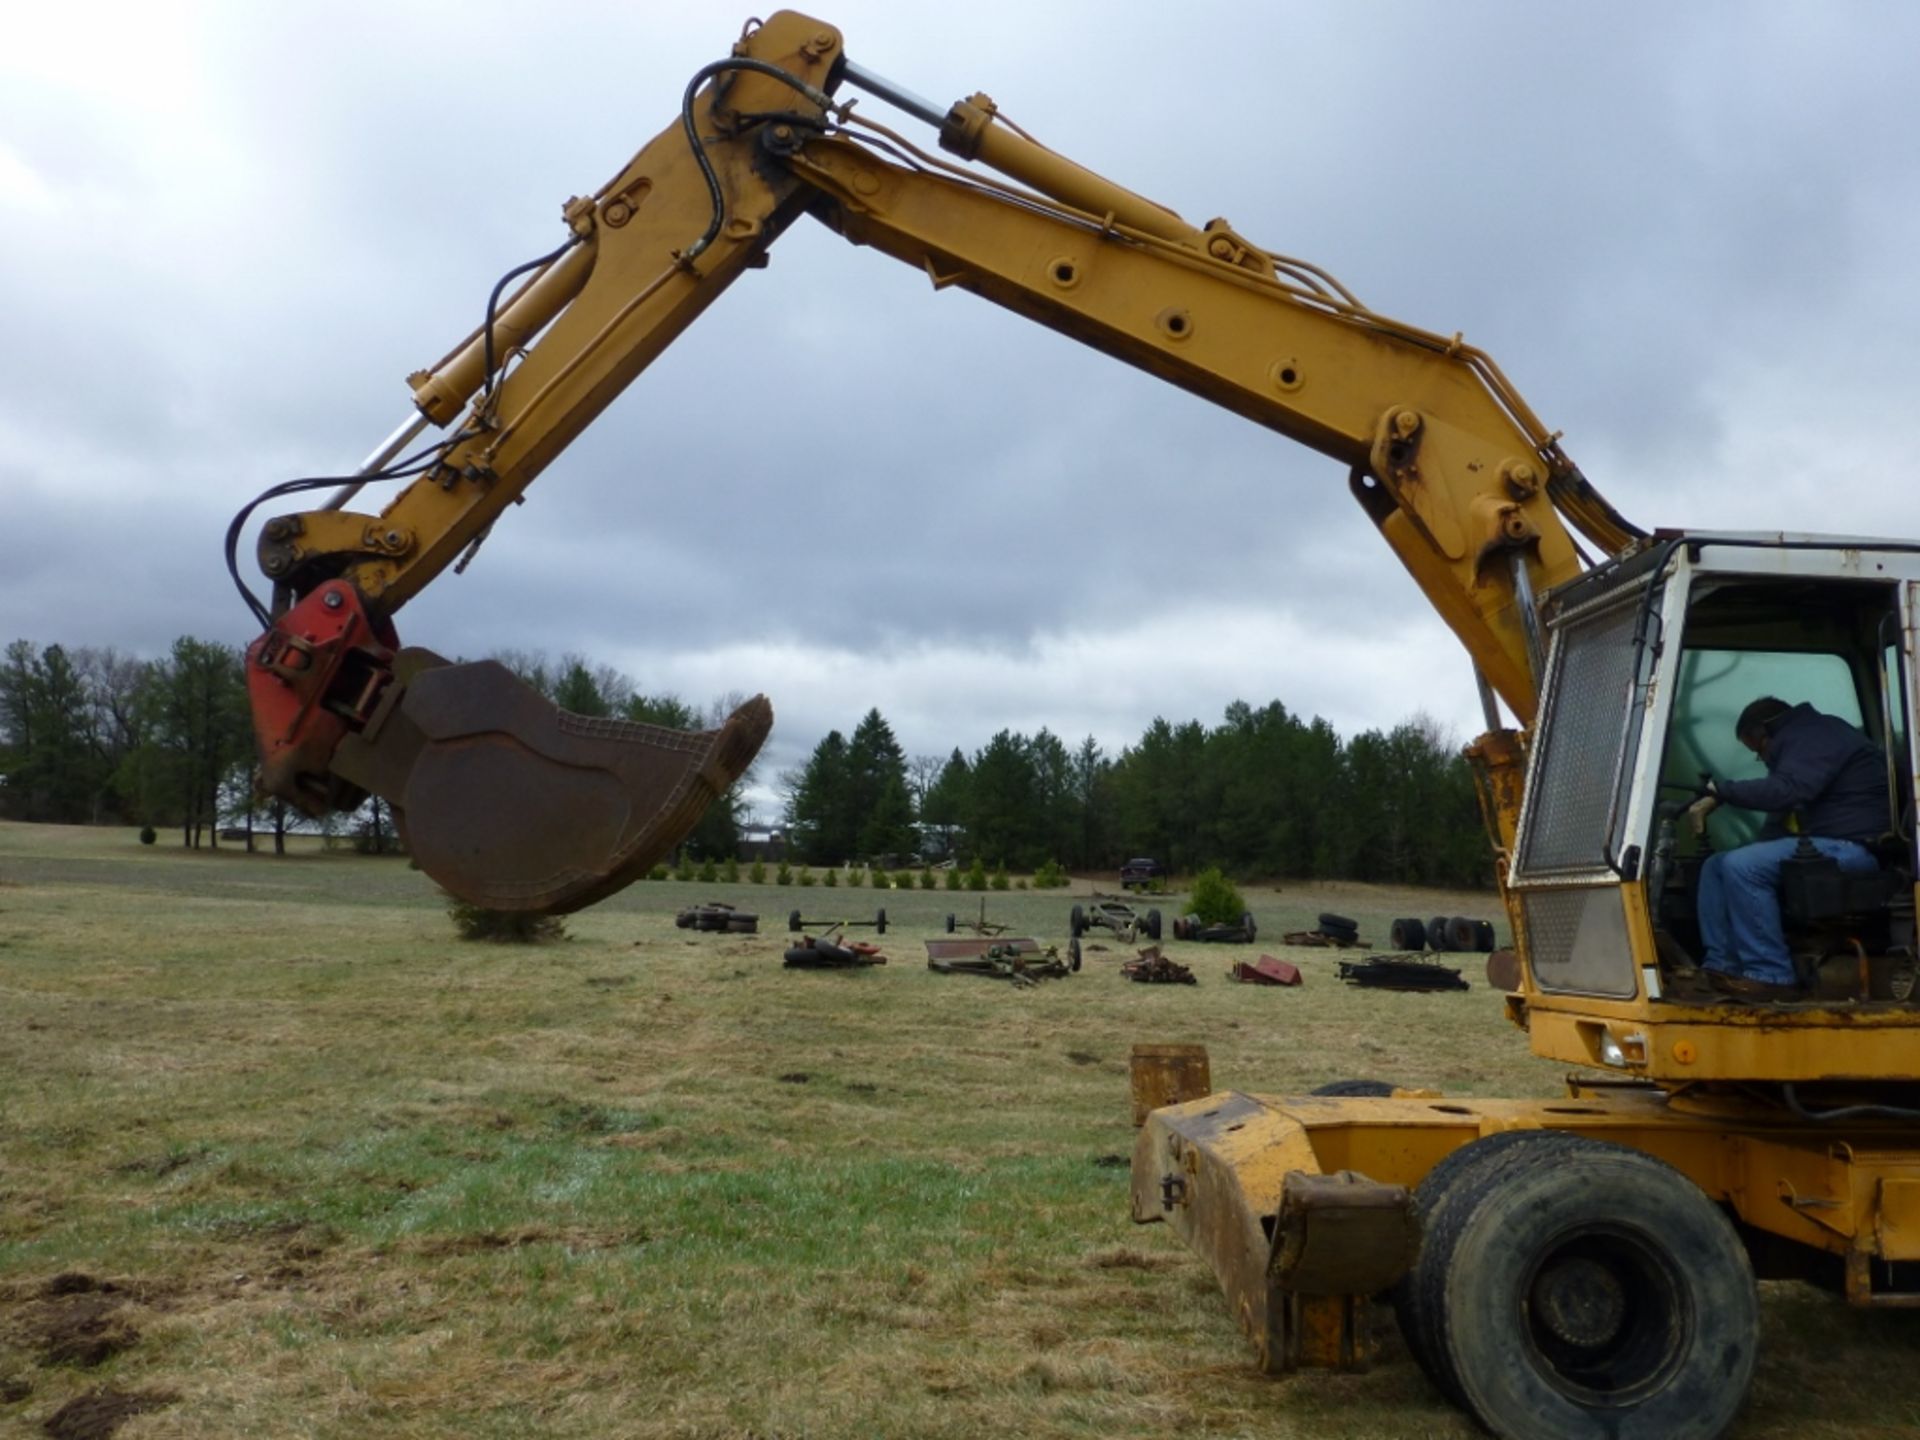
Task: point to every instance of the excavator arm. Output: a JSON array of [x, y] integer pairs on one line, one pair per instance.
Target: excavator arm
[[510, 803]]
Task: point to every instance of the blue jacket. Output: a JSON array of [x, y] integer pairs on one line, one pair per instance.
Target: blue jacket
[[1822, 768]]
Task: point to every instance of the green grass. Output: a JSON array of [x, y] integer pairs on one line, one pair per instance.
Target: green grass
[[353, 1177]]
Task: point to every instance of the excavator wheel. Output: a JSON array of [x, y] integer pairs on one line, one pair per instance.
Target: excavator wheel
[[1354, 1087], [1572, 1287]]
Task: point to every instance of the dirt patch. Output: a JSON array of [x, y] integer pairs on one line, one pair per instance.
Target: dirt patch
[[795, 1077], [99, 1413], [1123, 1257], [1081, 1057], [76, 1320]]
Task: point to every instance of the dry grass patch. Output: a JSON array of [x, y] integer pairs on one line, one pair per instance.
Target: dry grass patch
[[352, 1177]]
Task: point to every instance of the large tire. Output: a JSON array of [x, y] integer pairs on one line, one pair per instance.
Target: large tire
[[1153, 924], [741, 923], [1338, 925], [1437, 933], [1581, 1289], [1440, 1187], [1073, 956], [793, 921], [1408, 935], [950, 924], [1246, 924], [1483, 936], [879, 922], [1077, 923], [1354, 1087], [1463, 935]]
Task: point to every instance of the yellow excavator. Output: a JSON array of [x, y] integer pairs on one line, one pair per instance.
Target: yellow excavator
[[1578, 1267]]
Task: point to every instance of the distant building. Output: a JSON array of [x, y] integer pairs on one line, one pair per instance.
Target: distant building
[[757, 843]]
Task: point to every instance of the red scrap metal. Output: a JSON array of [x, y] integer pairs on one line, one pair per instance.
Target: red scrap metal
[[1265, 971], [1153, 968]]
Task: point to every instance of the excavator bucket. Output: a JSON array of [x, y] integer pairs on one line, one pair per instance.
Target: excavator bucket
[[504, 799]]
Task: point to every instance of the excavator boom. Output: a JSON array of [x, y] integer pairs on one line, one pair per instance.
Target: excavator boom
[[1463, 481]]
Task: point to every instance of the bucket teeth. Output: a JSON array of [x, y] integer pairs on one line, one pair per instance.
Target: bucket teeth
[[511, 803]]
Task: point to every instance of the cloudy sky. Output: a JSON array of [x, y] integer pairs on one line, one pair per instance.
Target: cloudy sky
[[228, 231]]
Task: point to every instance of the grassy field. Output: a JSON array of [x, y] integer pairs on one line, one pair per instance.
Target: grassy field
[[280, 1156]]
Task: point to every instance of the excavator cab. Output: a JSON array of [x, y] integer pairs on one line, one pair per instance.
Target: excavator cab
[[1835, 645], [1651, 660]]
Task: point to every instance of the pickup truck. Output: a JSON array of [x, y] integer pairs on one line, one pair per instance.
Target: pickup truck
[[1143, 875]]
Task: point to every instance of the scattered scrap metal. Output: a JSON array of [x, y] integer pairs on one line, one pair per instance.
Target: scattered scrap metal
[[1021, 966], [1401, 972], [1192, 927], [1264, 971], [1115, 915], [878, 924], [1153, 968], [981, 926], [832, 951], [717, 916]]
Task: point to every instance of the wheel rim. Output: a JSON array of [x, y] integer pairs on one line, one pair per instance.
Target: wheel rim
[[1605, 1322]]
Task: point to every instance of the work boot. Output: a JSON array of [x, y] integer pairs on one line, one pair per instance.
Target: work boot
[[1739, 987]]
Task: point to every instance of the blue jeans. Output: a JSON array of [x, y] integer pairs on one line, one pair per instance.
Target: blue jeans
[[1739, 906]]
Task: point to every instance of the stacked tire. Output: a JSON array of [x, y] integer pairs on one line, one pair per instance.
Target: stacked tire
[[1445, 933]]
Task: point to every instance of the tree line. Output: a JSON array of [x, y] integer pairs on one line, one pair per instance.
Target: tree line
[[94, 736], [1263, 792]]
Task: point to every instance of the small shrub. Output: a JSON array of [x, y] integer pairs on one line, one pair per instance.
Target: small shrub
[[1021, 883], [927, 882], [831, 878], [709, 872], [1050, 876], [505, 927], [147, 835], [684, 870], [903, 880], [730, 872], [856, 876], [977, 875], [806, 875], [1216, 899], [953, 878], [784, 875], [1001, 880], [757, 872], [879, 879], [658, 872]]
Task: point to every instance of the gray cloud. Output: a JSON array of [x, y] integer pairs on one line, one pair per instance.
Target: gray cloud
[[1685, 232]]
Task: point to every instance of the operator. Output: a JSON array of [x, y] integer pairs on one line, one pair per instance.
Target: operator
[[1825, 782]]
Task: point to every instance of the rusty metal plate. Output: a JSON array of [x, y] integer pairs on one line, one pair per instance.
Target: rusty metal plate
[[978, 945], [1167, 1075]]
